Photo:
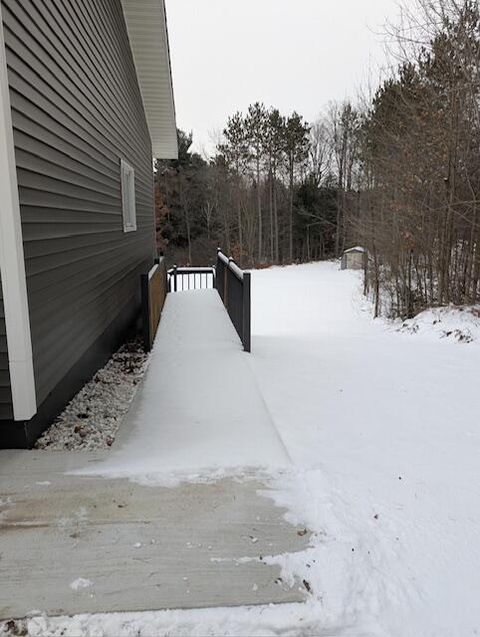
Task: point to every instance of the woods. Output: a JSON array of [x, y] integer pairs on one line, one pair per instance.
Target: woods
[[245, 197], [398, 173], [419, 165]]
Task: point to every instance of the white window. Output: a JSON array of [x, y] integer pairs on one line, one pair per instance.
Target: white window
[[128, 197]]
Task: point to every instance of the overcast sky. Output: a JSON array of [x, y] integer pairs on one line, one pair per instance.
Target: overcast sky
[[292, 54]]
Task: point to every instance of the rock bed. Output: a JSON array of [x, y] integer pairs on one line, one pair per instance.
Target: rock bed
[[91, 420]]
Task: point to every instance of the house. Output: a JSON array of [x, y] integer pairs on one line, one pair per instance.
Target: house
[[86, 104], [354, 258]]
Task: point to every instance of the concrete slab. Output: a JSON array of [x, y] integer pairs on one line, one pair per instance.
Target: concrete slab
[[74, 544]]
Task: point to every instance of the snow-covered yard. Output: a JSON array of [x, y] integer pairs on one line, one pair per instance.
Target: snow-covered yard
[[383, 430], [381, 426]]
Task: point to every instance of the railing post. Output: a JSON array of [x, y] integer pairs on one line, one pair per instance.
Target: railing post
[[218, 265], [247, 298], [175, 268], [146, 312], [217, 269], [226, 274]]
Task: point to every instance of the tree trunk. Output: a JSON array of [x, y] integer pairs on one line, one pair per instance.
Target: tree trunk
[[291, 215], [275, 218], [270, 201], [259, 208], [239, 219]]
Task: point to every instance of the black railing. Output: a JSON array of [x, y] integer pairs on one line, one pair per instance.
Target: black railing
[[233, 285], [182, 279]]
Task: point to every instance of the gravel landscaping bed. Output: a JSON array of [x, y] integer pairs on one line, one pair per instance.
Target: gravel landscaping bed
[[91, 420]]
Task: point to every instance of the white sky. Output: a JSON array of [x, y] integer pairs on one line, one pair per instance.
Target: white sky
[[292, 54]]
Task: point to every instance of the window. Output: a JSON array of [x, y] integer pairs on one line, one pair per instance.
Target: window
[[128, 197]]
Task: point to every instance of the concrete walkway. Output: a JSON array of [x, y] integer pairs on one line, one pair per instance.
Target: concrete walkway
[[71, 544], [79, 533]]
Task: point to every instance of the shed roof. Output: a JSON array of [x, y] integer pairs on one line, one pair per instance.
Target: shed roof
[[355, 249], [147, 30]]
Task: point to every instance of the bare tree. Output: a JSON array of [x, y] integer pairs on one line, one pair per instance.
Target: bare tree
[[255, 127], [320, 154]]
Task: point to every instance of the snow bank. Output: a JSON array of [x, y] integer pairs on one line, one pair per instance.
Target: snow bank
[[288, 620], [461, 324]]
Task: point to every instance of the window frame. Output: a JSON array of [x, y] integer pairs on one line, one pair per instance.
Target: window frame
[[129, 208]]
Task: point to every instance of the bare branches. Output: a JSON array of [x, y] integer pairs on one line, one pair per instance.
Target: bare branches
[[421, 163]]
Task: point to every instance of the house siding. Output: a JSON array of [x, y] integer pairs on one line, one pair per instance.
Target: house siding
[[77, 110]]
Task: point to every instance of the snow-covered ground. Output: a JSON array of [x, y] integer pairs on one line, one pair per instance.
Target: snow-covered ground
[[383, 427], [460, 324], [382, 430]]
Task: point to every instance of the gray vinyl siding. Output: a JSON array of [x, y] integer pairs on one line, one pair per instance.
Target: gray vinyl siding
[[6, 410], [77, 110]]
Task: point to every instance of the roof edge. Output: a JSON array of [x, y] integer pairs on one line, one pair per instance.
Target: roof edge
[[146, 22]]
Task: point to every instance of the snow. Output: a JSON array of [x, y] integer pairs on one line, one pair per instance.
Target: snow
[[354, 249], [198, 388], [379, 424], [260, 621], [80, 583], [460, 324], [381, 430]]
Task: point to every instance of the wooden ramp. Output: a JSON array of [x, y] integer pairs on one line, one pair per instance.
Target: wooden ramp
[[199, 407], [73, 544]]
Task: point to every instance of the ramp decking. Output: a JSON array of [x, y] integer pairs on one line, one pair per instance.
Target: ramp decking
[[199, 406]]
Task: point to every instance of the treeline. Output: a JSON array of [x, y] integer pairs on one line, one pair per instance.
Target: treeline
[[398, 174], [266, 195], [419, 165]]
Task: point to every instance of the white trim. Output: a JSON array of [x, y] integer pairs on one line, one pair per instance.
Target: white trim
[[129, 208], [12, 264], [146, 23]]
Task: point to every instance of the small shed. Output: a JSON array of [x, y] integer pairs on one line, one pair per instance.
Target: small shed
[[354, 258]]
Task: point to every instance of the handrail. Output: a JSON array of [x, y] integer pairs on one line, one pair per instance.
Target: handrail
[[232, 284], [231, 263], [154, 290], [178, 275], [234, 287]]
